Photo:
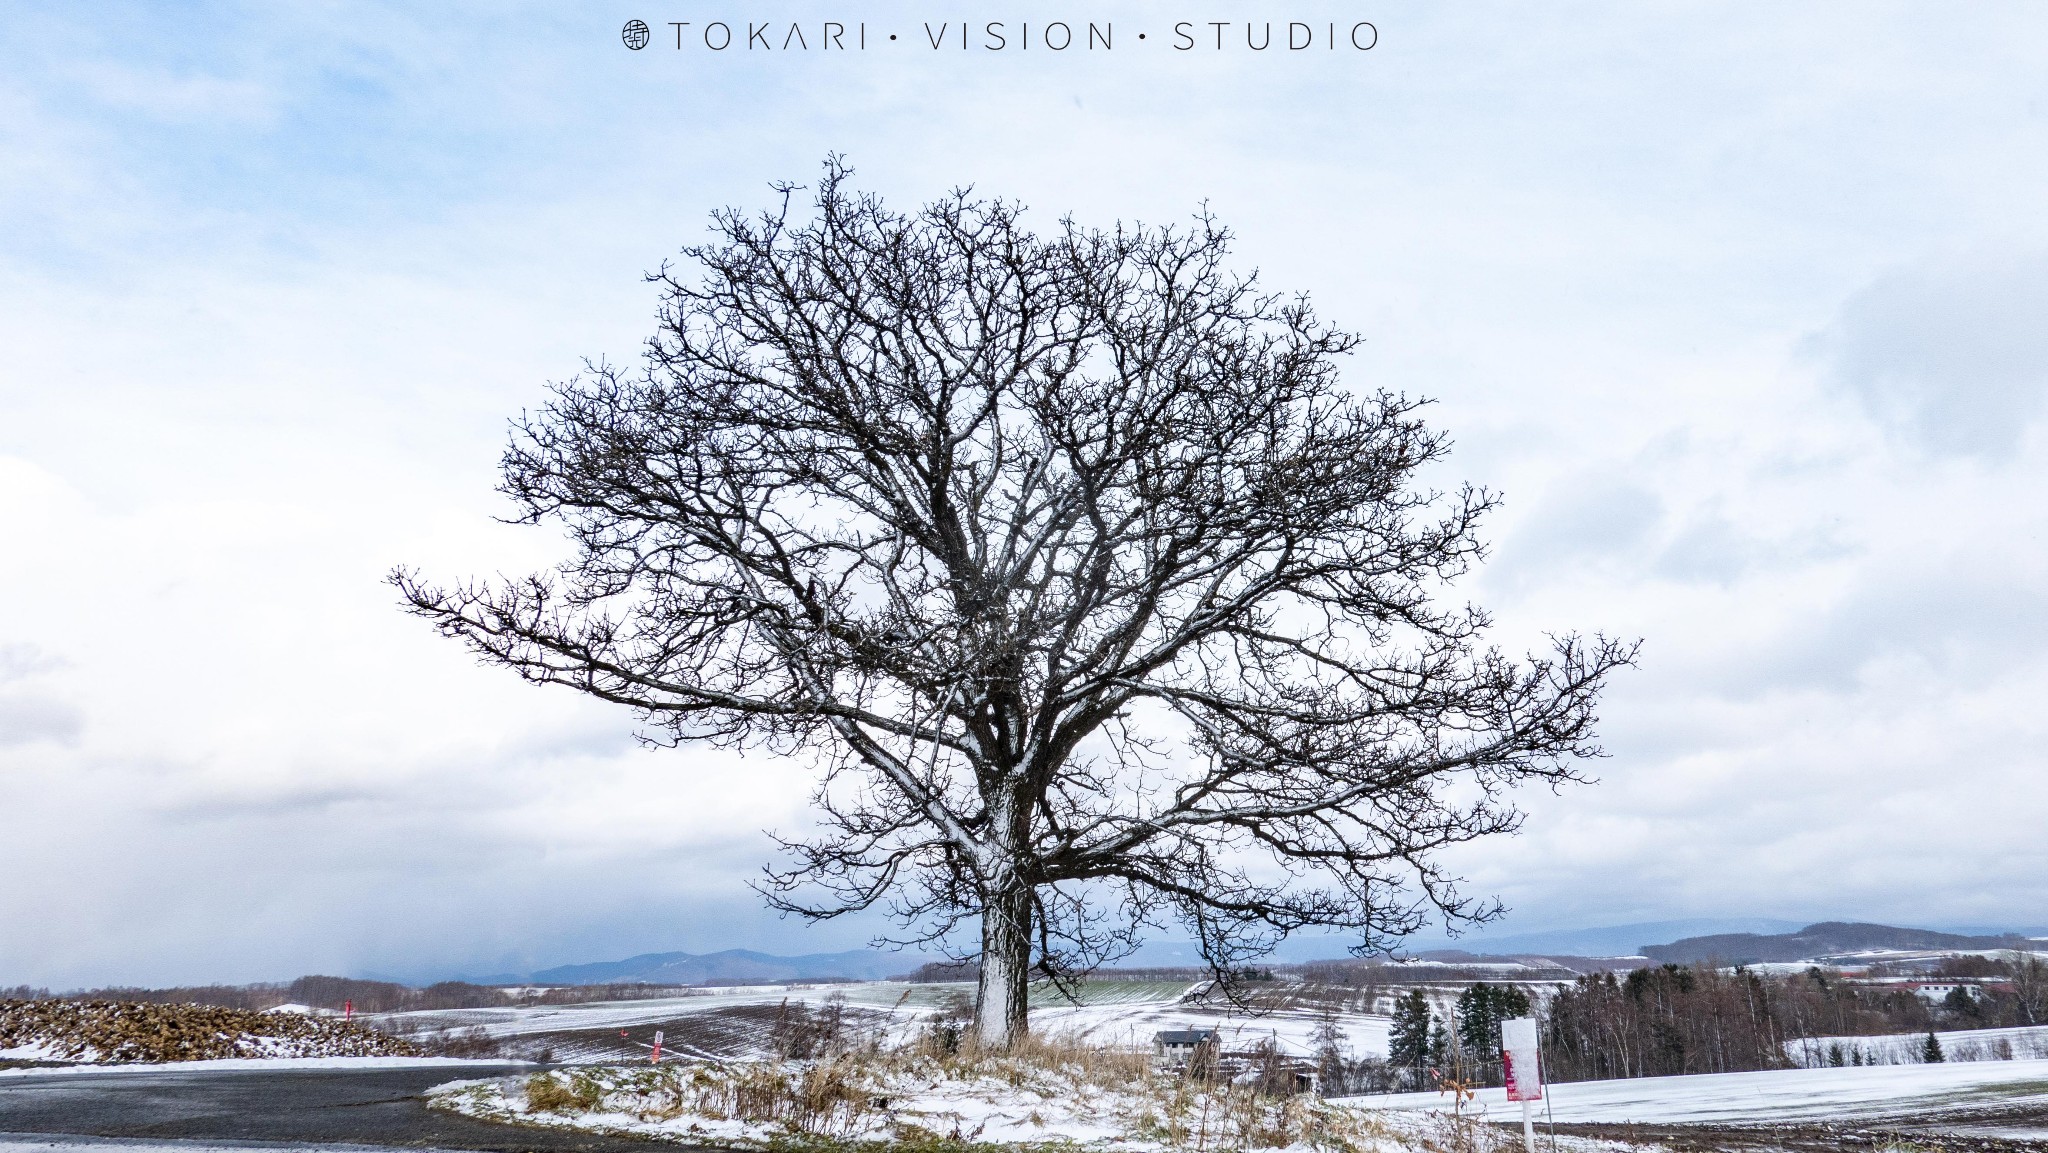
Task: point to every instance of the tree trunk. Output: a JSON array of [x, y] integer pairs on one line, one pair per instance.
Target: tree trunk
[[1000, 1007]]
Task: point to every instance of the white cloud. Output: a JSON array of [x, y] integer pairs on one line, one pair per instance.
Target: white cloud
[[270, 295], [1950, 355]]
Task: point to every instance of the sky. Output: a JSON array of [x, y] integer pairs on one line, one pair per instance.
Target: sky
[[1741, 308]]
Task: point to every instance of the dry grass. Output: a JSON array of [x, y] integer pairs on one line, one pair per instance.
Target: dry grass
[[859, 1097]]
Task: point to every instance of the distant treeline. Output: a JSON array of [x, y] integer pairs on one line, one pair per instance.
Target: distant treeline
[[1678, 1019], [336, 992]]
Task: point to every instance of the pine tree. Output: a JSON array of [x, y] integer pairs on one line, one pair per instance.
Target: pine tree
[[1835, 1055], [1408, 1043], [1931, 1051], [1481, 1009], [1479, 1019]]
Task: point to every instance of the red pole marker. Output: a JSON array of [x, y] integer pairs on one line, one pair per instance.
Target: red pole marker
[[657, 1048], [348, 1010]]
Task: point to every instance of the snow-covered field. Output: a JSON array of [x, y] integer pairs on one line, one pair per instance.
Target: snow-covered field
[[1135, 1022], [735, 1021], [1778, 1095]]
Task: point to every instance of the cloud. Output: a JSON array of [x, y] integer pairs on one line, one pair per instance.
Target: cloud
[[1592, 518], [28, 714], [272, 280], [25, 719], [1951, 355]]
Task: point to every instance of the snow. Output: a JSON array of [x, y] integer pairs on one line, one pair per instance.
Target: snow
[[1135, 1023], [1111, 1011], [233, 1064], [520, 1021], [1870, 1093], [302, 1010]]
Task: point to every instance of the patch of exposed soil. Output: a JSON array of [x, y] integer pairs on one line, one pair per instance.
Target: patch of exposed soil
[[725, 1032]]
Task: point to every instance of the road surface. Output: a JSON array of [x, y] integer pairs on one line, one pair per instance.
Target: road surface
[[367, 1107]]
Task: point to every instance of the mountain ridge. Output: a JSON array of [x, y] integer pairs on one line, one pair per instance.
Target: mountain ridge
[[1820, 939], [728, 965]]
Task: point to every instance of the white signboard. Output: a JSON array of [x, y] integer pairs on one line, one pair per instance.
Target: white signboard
[[1519, 1059]]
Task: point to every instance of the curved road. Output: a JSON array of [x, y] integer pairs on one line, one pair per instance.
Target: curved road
[[368, 1107]]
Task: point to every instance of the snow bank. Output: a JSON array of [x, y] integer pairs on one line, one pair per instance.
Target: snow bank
[[1866, 1094]]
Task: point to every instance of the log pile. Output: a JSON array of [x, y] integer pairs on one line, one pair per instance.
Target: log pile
[[124, 1032]]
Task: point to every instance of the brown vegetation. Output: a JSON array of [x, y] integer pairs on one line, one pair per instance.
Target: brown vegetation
[[118, 1032], [855, 1092]]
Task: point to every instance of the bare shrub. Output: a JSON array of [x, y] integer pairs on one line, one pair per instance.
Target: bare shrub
[[550, 1093]]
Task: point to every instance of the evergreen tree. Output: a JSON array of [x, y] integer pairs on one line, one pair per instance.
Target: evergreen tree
[[1931, 1051], [1478, 1019], [1512, 1002], [1408, 1043], [1961, 1002], [1481, 1009], [1443, 1048], [1835, 1055]]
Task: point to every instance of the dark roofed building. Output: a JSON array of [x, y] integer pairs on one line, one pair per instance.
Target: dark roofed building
[[1182, 1042]]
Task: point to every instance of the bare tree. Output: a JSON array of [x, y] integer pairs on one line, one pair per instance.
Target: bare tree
[[1100, 602], [2029, 985]]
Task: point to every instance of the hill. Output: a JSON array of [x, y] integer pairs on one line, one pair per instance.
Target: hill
[[734, 965], [1825, 939]]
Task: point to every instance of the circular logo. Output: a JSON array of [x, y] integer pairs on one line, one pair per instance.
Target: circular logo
[[635, 34]]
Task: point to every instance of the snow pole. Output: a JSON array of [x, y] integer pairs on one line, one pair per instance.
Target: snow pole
[[656, 1058], [1523, 1071], [348, 1010]]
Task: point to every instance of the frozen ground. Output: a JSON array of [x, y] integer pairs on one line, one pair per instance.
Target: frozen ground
[[1867, 1095]]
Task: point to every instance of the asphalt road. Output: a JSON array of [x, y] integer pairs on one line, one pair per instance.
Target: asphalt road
[[377, 1107]]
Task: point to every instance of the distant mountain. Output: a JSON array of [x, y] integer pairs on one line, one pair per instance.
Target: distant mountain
[[729, 965], [1606, 940], [1825, 939]]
